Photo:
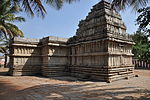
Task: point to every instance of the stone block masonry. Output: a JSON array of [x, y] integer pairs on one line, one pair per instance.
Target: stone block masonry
[[100, 50], [47, 56]]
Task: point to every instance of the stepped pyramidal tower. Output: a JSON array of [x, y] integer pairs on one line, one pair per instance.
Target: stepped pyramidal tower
[[100, 50]]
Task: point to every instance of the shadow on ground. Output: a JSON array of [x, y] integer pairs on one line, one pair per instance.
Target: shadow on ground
[[85, 91], [70, 92], [3, 71]]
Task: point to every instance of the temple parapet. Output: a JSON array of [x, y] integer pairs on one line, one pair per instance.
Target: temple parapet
[[54, 39], [25, 40]]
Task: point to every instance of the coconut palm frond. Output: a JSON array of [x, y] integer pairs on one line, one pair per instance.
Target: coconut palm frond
[[19, 19], [3, 32], [120, 4], [4, 45], [26, 6], [15, 9], [12, 18], [14, 30], [135, 4], [7, 16], [55, 3], [32, 7], [70, 1], [58, 3], [2, 50]]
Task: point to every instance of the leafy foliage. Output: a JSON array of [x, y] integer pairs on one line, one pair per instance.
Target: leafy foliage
[[4, 48], [143, 20], [135, 4], [7, 29], [4, 45], [7, 17], [141, 49]]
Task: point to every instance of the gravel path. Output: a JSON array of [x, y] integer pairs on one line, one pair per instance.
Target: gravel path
[[70, 88]]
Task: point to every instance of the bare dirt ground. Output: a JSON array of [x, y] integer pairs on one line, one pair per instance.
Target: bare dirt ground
[[69, 88]]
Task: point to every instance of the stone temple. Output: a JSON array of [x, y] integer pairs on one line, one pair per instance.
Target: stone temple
[[100, 50]]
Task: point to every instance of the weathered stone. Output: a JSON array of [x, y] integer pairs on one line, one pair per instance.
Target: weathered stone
[[25, 40]]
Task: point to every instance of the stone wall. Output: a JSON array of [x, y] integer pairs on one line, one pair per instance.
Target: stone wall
[[47, 56], [25, 56], [54, 56]]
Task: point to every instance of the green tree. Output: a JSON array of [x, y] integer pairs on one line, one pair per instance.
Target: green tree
[[7, 17], [143, 20], [141, 49]]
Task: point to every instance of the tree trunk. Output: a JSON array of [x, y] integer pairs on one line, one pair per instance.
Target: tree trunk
[[5, 63]]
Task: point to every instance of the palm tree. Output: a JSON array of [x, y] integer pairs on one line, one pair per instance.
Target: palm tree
[[7, 17], [7, 29], [36, 6]]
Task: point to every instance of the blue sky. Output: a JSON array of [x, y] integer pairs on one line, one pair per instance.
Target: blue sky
[[64, 22]]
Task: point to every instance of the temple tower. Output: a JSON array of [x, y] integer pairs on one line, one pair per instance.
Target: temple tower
[[101, 48]]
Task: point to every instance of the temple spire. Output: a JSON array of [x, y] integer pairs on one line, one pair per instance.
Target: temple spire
[[102, 21]]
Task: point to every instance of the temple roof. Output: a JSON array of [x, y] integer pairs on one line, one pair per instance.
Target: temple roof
[[102, 21]]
